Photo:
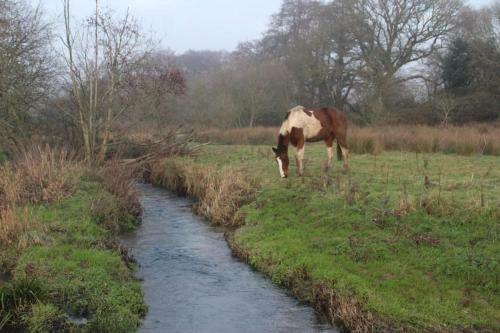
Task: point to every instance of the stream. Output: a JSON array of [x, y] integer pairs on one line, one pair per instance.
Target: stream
[[192, 283]]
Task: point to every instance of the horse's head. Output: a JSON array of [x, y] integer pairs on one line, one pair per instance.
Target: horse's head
[[282, 160]]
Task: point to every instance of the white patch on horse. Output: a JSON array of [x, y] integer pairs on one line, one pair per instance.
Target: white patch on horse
[[300, 118], [311, 126], [284, 128], [280, 166]]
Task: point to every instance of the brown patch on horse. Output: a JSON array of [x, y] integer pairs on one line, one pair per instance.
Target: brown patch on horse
[[297, 137], [333, 126], [339, 126], [326, 124], [283, 141], [329, 141], [308, 112]]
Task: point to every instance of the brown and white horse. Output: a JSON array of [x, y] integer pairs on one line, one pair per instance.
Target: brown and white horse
[[311, 125]]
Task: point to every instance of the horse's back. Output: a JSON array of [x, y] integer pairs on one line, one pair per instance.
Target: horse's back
[[316, 124]]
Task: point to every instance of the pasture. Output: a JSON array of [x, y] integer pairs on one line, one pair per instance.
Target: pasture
[[410, 237]]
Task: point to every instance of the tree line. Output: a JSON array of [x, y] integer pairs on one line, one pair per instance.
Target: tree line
[[418, 61], [413, 61]]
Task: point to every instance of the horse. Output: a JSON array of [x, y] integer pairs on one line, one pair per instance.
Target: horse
[[311, 125]]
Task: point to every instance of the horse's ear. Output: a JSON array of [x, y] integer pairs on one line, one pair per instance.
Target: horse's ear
[[275, 150]]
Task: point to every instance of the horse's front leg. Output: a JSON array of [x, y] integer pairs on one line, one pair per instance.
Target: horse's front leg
[[299, 159]]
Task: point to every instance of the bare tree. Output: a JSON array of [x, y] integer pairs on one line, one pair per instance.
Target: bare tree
[[100, 56], [315, 41], [446, 104], [395, 33], [25, 68], [341, 59]]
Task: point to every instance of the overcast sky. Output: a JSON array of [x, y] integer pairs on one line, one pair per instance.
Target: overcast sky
[[190, 24]]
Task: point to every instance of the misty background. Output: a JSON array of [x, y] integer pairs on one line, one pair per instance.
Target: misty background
[[74, 75]]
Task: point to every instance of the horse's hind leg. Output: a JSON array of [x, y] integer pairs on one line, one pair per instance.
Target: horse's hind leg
[[342, 145], [329, 153], [345, 157]]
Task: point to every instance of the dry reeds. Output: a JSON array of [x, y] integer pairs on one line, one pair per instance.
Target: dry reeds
[[39, 174], [18, 229], [119, 180], [463, 140], [239, 136], [219, 193]]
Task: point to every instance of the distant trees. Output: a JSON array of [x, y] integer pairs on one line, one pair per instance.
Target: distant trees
[[26, 69], [241, 93], [471, 66], [456, 65], [394, 33], [315, 43], [432, 61]]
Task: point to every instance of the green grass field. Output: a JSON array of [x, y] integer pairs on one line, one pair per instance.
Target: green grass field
[[411, 237], [71, 266]]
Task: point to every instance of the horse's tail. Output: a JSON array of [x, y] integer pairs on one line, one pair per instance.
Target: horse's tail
[[339, 152]]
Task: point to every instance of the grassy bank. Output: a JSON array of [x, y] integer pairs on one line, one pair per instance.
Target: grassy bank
[[408, 242], [59, 247]]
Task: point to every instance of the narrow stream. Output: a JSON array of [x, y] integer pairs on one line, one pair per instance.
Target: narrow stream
[[192, 283]]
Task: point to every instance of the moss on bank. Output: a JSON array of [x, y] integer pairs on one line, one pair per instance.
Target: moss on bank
[[407, 243], [71, 276]]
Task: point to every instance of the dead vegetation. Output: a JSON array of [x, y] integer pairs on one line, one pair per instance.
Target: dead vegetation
[[218, 193], [39, 174], [147, 144], [239, 136], [119, 180], [471, 139]]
